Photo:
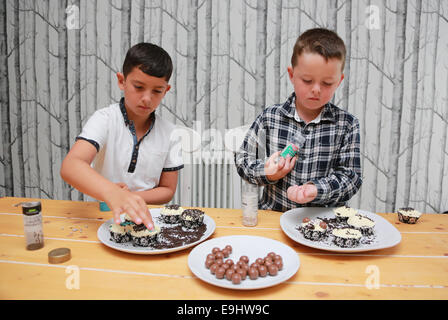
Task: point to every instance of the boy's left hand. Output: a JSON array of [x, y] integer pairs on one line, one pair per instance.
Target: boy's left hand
[[302, 194]]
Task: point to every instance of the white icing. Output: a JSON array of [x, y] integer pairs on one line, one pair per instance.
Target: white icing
[[117, 228], [360, 221], [316, 224], [170, 212], [347, 233], [145, 232], [345, 211], [411, 213]]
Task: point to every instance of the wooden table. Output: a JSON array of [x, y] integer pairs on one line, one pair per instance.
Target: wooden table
[[417, 268]]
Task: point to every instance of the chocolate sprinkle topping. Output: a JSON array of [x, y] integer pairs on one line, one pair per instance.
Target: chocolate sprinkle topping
[[139, 227], [172, 206]]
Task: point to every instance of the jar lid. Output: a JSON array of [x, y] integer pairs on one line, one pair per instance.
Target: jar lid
[[59, 255]]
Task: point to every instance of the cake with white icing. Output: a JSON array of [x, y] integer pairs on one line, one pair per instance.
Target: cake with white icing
[[313, 229], [142, 236], [346, 237], [344, 212], [171, 213], [118, 233], [408, 215], [192, 218], [361, 223]]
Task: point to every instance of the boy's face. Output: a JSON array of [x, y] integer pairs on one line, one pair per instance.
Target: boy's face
[[315, 80], [142, 92]]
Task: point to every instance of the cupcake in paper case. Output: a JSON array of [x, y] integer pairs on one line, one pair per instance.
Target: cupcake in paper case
[[343, 213], [313, 229], [171, 213], [119, 233], [408, 215], [346, 237], [143, 237], [192, 218], [361, 223]]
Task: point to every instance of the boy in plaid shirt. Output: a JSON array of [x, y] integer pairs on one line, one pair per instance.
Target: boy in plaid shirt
[[327, 169]]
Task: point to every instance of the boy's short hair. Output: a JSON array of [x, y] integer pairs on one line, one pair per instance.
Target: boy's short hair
[[149, 58], [321, 41]]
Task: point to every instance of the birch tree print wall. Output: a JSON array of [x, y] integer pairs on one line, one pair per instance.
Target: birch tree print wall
[[58, 60]]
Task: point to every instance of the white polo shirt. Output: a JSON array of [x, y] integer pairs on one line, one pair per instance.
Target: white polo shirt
[[121, 158]]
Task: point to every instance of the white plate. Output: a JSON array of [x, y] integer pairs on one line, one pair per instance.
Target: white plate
[[104, 236], [251, 246], [385, 234]]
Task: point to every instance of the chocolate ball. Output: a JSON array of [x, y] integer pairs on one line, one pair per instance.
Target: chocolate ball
[[219, 262], [229, 262], [268, 260], [254, 265], [209, 262], [211, 256], [277, 257], [234, 267], [268, 263], [244, 259], [220, 272], [243, 273], [273, 270], [253, 273], [271, 255], [240, 264], [225, 266], [229, 248], [236, 278], [262, 271], [245, 267], [226, 253], [259, 261], [219, 255], [279, 264], [213, 268], [215, 250], [229, 273]]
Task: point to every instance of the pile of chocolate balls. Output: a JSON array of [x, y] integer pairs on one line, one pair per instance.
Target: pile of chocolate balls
[[238, 271]]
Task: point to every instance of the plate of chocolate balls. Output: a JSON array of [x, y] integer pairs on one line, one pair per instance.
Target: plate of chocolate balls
[[243, 262]]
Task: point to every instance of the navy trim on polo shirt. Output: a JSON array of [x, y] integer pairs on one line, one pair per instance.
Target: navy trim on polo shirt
[[173, 169], [93, 142], [131, 126]]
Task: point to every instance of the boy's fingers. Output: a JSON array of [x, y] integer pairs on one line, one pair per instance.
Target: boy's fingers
[[145, 215], [117, 213], [147, 220], [133, 214]]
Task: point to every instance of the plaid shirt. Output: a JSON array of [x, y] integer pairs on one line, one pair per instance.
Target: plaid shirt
[[330, 157]]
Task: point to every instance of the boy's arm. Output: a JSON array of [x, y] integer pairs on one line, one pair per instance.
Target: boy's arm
[[77, 172], [346, 178], [164, 192], [250, 162]]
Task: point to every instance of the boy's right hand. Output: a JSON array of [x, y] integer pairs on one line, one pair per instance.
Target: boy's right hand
[[123, 201], [277, 167]]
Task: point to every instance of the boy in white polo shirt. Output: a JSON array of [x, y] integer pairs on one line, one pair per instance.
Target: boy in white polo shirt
[[134, 155]]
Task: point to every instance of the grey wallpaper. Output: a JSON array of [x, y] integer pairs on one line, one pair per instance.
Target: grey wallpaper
[[58, 61]]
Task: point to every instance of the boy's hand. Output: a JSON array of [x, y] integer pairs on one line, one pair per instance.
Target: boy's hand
[[121, 201], [277, 167], [302, 194]]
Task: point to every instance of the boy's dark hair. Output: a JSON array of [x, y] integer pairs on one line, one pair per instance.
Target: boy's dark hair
[[149, 58], [321, 41]]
